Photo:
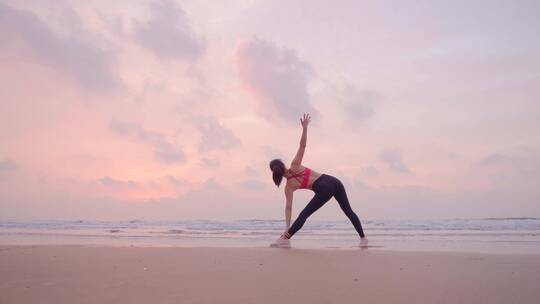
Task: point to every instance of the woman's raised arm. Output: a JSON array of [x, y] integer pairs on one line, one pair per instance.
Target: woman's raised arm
[[303, 140]]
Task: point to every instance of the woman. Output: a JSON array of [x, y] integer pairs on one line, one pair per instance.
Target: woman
[[325, 187]]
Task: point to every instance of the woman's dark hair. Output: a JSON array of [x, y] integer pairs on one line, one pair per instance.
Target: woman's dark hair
[[278, 169]]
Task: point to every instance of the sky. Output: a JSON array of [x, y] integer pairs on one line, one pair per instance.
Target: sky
[[173, 109]]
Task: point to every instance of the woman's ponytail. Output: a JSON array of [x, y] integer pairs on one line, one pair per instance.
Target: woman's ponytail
[[278, 169]]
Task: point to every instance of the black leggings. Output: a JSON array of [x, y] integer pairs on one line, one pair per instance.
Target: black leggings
[[325, 187]]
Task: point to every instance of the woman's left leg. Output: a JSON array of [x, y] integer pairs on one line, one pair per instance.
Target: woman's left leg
[[341, 197]]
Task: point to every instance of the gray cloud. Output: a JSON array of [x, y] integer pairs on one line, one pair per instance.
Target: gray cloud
[[210, 162], [175, 181], [167, 33], [271, 153], [454, 155], [369, 170], [74, 55], [523, 163], [215, 136], [108, 181], [357, 104], [392, 157], [278, 78], [164, 151], [497, 159], [7, 164], [252, 172], [253, 185]]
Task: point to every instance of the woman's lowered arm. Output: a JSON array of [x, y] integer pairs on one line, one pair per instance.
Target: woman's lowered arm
[[288, 207]]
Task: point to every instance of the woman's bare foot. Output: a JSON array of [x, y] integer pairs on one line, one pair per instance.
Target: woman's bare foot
[[363, 242]]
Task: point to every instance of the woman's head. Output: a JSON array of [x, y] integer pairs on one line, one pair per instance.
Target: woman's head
[[278, 169]]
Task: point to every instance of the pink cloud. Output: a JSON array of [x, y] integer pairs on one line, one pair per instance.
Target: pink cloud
[[164, 151], [167, 33], [393, 159], [277, 78], [77, 55], [215, 136]]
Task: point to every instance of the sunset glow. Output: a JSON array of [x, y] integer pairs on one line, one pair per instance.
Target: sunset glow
[[169, 109]]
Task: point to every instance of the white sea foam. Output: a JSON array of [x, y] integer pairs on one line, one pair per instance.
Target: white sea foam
[[510, 233]]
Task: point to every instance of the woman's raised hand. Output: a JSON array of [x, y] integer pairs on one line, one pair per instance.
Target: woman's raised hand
[[305, 120]]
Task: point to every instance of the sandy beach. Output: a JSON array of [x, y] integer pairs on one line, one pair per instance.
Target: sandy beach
[[101, 274]]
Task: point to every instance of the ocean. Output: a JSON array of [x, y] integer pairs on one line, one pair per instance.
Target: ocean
[[498, 235]]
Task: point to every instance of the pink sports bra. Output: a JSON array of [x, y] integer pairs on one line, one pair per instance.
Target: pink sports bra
[[306, 173]]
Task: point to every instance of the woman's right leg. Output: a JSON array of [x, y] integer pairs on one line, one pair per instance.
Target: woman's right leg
[[316, 202], [341, 197]]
